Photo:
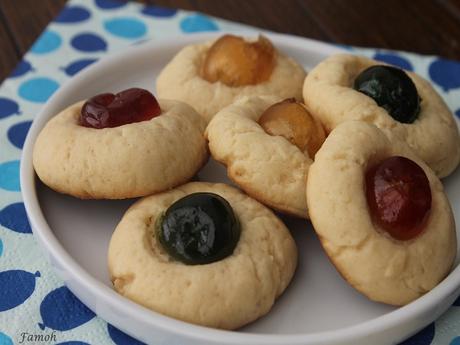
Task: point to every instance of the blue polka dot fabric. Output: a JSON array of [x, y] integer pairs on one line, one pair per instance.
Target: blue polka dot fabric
[[33, 300]]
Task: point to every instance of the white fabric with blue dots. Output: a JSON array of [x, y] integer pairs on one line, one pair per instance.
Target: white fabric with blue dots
[[32, 298]]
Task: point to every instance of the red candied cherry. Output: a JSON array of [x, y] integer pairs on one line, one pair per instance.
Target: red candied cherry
[[399, 197], [113, 110]]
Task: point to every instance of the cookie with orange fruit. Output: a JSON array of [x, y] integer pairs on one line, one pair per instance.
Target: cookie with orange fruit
[[210, 76], [267, 145]]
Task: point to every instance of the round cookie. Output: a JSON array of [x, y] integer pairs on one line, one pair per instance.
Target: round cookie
[[329, 95], [382, 268], [181, 80], [224, 294], [127, 161], [269, 168]]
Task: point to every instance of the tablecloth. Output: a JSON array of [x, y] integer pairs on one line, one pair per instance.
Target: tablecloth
[[35, 306]]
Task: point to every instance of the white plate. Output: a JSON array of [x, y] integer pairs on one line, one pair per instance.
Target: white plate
[[317, 308]]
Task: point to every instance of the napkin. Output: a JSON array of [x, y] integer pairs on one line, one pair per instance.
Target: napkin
[[35, 306]]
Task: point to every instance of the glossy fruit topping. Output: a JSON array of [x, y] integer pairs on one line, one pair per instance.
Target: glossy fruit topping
[[236, 62], [391, 89], [199, 229], [113, 110], [292, 120], [399, 197]]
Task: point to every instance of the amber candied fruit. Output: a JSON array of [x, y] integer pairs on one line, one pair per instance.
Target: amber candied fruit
[[236, 62], [292, 120]]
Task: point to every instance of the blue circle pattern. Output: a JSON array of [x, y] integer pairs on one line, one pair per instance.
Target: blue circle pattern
[[120, 338], [5, 340], [76, 66], [457, 302], [445, 73], [18, 132], [73, 14], [9, 176], [48, 42], [424, 337], [88, 42], [110, 4], [14, 218], [455, 341], [129, 28], [8, 107], [395, 60], [17, 287], [38, 90], [62, 311], [197, 23], [22, 68], [159, 11]]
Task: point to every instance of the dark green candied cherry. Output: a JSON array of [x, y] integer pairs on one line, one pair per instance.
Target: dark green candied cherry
[[391, 89], [199, 229]]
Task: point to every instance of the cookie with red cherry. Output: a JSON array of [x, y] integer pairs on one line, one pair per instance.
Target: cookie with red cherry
[[381, 214], [124, 145]]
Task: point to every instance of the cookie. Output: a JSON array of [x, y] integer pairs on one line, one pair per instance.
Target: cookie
[[384, 267], [329, 95], [182, 78], [270, 168], [126, 161], [227, 293]]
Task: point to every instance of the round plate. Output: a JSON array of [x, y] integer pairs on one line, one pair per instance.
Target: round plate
[[317, 308]]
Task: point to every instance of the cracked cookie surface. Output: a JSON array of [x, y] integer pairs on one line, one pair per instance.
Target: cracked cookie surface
[[269, 168], [329, 95], [181, 80], [380, 267], [224, 294], [127, 161]]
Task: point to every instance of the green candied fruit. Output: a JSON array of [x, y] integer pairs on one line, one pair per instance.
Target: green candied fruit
[[199, 229], [391, 89]]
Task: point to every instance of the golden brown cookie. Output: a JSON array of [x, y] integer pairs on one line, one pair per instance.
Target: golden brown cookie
[[384, 268], [270, 168], [228, 293], [127, 161], [329, 95], [182, 78]]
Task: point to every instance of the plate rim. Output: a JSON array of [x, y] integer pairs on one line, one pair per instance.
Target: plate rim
[[60, 259]]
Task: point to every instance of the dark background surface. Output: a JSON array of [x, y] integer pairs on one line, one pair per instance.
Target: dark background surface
[[421, 26]]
